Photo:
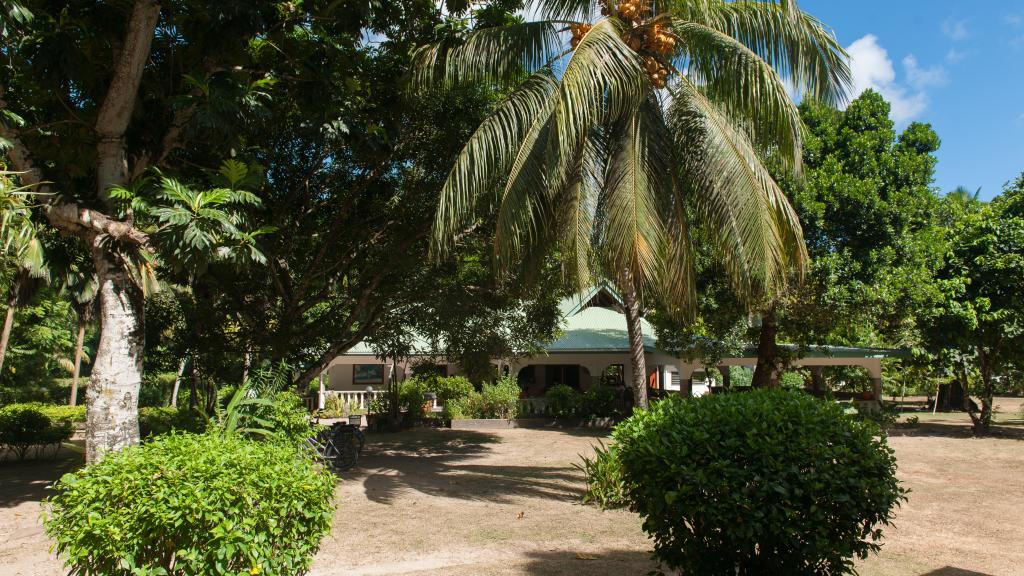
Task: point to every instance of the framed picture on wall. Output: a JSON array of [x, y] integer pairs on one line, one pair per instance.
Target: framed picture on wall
[[367, 373]]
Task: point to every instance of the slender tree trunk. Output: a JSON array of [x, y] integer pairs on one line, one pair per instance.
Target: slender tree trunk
[[79, 342], [193, 390], [112, 399], [636, 342], [983, 423], [5, 336], [765, 373], [177, 383]]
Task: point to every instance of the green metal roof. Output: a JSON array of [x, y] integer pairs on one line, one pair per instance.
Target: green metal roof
[[596, 329]]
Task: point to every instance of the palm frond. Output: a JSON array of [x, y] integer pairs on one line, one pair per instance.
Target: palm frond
[[746, 87], [795, 44], [489, 154], [579, 10], [757, 232], [502, 54]]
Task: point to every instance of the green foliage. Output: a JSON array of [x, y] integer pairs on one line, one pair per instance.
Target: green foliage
[[411, 396], [606, 487], [287, 418], [563, 401], [495, 400], [24, 426], [599, 401], [765, 482], [449, 388], [195, 505], [41, 348], [55, 412], [566, 402], [981, 315], [791, 380], [740, 376], [156, 421], [156, 388]]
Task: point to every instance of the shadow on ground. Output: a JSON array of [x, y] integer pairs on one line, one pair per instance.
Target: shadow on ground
[[958, 430], [451, 464], [607, 563], [951, 571], [29, 480]]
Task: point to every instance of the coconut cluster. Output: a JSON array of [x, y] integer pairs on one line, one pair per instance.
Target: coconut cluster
[[649, 38], [578, 32]]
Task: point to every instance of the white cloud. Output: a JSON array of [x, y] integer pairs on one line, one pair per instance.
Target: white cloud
[[871, 68], [955, 56], [1014, 20], [956, 30], [921, 78]]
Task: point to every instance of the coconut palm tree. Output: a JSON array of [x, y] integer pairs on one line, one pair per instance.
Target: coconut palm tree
[[629, 122]]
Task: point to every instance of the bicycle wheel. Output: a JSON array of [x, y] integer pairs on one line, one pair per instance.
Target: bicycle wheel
[[348, 451]]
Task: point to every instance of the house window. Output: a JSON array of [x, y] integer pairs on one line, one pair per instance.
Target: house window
[[368, 374]]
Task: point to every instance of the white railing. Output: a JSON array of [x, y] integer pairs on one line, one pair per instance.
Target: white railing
[[532, 407], [353, 399]]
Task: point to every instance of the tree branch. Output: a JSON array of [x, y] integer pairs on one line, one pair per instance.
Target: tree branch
[[116, 110]]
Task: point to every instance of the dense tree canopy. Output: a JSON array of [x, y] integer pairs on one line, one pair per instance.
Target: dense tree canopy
[[980, 316]]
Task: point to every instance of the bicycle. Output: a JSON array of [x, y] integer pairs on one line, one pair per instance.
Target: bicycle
[[339, 446]]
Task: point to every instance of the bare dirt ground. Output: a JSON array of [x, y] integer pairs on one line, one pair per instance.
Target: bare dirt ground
[[432, 502]]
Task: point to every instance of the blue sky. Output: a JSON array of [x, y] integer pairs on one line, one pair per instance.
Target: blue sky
[[956, 65]]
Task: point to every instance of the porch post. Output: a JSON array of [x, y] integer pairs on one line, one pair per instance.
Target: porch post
[[874, 368], [322, 395]]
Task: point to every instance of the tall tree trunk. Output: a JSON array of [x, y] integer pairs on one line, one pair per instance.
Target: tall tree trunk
[[79, 342], [5, 336], [636, 341], [177, 382], [112, 399], [766, 371]]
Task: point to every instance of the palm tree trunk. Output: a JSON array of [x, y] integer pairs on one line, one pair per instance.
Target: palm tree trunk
[[766, 371], [636, 341], [78, 362], [112, 399], [12, 306]]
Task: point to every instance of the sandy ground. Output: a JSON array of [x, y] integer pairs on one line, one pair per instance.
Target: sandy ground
[[468, 503]]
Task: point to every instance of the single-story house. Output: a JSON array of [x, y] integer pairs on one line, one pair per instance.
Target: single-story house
[[594, 342]]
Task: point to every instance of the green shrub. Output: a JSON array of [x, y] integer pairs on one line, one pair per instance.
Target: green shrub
[[764, 482], [156, 421], [497, 400], [411, 395], [449, 388], [196, 505], [563, 401], [55, 412], [156, 388], [23, 427], [600, 402], [287, 417], [605, 486]]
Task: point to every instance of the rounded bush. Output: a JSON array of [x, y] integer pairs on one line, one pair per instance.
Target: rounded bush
[[563, 400], [195, 505], [160, 420], [761, 482], [23, 426]]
